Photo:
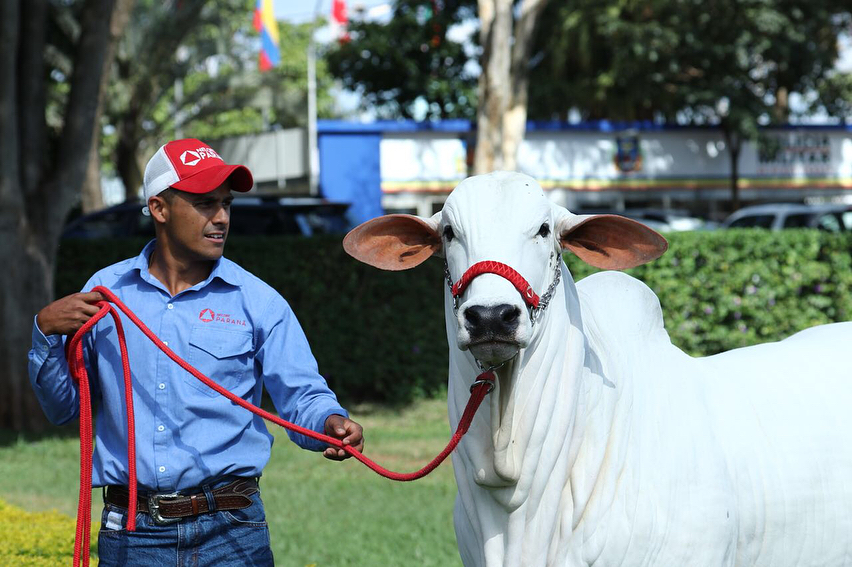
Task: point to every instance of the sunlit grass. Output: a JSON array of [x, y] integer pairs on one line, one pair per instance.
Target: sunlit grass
[[320, 512]]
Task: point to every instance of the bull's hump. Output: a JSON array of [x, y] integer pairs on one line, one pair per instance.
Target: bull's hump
[[620, 305]]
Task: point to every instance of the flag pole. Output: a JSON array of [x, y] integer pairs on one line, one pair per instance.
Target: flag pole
[[313, 153]]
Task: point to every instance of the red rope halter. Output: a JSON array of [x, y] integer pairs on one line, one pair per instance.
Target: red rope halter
[[74, 353], [500, 269]]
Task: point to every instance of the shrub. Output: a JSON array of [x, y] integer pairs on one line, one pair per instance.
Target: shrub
[[733, 288], [376, 335], [38, 539], [380, 335]]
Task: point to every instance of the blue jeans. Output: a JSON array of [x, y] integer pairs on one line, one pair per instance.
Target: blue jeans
[[238, 538]]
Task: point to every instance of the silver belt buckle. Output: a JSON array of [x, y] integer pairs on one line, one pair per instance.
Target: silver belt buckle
[[154, 508]]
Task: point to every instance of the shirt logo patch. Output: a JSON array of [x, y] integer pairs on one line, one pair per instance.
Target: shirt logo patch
[[208, 315], [223, 318]]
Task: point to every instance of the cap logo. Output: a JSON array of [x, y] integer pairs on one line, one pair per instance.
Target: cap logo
[[190, 157]]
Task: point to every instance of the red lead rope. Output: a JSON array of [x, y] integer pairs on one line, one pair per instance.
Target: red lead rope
[[74, 353]]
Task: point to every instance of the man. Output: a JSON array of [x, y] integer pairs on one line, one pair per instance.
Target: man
[[189, 440]]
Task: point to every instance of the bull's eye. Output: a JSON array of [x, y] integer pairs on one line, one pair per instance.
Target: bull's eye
[[544, 230], [448, 233]]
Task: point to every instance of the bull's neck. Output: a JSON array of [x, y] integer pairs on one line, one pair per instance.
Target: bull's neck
[[598, 452], [534, 406]]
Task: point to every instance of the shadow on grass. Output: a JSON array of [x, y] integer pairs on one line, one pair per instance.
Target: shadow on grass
[[9, 437]]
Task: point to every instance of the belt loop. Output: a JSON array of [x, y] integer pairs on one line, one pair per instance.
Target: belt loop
[[211, 501]]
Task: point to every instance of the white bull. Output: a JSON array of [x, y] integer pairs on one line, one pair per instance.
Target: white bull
[[604, 444]]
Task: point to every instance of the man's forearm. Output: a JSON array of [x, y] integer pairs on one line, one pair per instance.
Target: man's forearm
[[51, 379]]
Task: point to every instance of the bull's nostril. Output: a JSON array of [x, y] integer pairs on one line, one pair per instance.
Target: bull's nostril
[[472, 315], [509, 313]]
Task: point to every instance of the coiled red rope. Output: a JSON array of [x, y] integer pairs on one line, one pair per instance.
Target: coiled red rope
[[74, 354]]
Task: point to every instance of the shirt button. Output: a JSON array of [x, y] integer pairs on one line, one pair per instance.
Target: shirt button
[[162, 386], [162, 469], [166, 343], [161, 428], [170, 306]]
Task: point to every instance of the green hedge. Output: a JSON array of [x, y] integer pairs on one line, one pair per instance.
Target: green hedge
[[376, 335], [380, 335], [733, 288]]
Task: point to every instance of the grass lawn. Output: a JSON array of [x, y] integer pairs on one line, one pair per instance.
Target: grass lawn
[[321, 513]]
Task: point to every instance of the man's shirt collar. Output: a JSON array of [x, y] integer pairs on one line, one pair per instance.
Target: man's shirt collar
[[223, 269]]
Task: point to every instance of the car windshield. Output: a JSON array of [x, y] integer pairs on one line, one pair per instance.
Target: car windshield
[[271, 219], [829, 223], [798, 220], [753, 221], [251, 217]]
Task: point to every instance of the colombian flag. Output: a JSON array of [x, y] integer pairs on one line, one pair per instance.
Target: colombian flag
[[267, 27]]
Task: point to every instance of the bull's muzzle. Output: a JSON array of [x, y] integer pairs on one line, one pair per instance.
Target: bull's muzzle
[[491, 323]]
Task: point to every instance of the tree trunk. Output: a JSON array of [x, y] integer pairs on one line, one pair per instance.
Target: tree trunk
[[129, 133], [148, 84], [28, 287], [92, 198], [127, 160], [503, 82], [734, 142], [781, 109], [35, 195], [495, 18], [515, 119]]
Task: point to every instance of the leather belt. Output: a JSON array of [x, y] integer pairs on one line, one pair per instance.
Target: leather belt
[[170, 508]]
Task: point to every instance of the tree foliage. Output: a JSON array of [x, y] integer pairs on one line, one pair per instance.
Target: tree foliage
[[409, 61], [48, 106], [731, 63], [200, 79], [674, 60]]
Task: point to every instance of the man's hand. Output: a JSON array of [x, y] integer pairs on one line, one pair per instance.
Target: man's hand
[[65, 316], [347, 431]]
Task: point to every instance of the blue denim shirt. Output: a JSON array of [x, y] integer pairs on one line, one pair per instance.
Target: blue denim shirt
[[233, 328]]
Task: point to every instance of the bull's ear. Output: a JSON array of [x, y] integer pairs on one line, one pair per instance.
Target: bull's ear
[[609, 242], [395, 242]]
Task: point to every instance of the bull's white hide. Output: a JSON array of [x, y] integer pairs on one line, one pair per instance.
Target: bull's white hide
[[602, 443]]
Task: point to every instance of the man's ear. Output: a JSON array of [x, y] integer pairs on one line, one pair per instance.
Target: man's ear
[[609, 242], [158, 207], [395, 242]]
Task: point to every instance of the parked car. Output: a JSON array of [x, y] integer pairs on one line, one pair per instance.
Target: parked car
[[249, 216], [661, 220], [775, 216]]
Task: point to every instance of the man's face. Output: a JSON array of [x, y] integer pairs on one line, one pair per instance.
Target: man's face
[[196, 226]]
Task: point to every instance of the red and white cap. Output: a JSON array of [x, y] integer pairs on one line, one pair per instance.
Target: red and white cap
[[191, 165]]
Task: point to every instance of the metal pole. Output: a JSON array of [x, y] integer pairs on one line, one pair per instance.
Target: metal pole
[[313, 153], [179, 108], [181, 55]]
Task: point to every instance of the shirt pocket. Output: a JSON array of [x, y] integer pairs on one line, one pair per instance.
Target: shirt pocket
[[223, 356]]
